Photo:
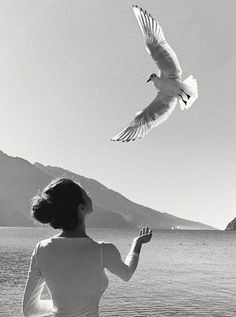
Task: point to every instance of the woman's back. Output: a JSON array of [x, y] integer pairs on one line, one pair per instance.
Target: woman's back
[[73, 271]]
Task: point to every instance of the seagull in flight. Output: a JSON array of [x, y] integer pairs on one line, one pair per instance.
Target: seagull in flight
[[170, 87]]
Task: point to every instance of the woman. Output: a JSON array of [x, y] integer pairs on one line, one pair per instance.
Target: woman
[[71, 263]]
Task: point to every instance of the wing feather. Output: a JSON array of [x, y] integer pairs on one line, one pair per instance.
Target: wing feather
[[157, 112], [156, 45]]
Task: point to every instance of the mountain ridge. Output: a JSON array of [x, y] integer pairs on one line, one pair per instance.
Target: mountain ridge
[[20, 181]]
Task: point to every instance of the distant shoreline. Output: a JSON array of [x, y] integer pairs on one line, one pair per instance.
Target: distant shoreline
[[125, 229]]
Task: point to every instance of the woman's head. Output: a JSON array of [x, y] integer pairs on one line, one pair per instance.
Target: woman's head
[[62, 204]]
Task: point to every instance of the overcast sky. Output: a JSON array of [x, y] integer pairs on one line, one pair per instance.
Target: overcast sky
[[73, 74]]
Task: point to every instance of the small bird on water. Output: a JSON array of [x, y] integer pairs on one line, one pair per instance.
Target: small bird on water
[[170, 88]]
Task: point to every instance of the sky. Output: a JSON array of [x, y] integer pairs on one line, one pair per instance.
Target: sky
[[73, 74]]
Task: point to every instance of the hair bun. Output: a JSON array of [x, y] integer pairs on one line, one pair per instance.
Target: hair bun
[[43, 209], [57, 204]]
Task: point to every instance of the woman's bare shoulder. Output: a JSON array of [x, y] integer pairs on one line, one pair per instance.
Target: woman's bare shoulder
[[110, 249]]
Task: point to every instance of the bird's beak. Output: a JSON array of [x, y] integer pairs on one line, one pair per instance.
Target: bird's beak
[[148, 80]]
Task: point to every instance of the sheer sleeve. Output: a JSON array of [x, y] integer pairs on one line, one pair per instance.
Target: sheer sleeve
[[113, 262], [33, 306]]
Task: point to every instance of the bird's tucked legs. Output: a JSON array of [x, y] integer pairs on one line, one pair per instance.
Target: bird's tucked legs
[[184, 101], [188, 96]]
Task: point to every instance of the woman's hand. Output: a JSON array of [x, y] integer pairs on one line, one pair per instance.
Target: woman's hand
[[145, 235]]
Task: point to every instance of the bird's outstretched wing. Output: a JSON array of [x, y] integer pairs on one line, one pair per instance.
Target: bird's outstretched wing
[[156, 44], [157, 112]]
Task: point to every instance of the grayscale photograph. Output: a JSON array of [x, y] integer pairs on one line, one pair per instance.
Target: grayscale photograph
[[117, 158]]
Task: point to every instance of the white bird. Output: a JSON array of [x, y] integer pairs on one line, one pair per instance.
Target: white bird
[[170, 88]]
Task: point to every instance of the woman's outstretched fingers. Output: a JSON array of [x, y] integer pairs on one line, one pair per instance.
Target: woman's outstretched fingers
[[143, 231]]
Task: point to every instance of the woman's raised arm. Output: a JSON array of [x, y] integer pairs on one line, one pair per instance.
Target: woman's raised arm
[[112, 258]]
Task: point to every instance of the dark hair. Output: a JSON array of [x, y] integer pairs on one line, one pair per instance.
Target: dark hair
[[58, 204]]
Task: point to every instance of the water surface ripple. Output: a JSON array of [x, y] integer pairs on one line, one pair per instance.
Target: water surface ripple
[[181, 273]]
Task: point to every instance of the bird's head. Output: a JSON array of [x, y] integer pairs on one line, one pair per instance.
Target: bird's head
[[151, 77]]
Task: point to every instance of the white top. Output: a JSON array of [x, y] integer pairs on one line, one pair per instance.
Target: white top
[[73, 269]]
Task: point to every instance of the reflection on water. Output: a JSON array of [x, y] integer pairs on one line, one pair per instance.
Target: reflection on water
[[181, 273]]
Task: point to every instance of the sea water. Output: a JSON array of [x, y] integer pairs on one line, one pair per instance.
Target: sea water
[[180, 273]]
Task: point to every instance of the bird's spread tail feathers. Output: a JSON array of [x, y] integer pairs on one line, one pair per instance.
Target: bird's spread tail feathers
[[190, 92]]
